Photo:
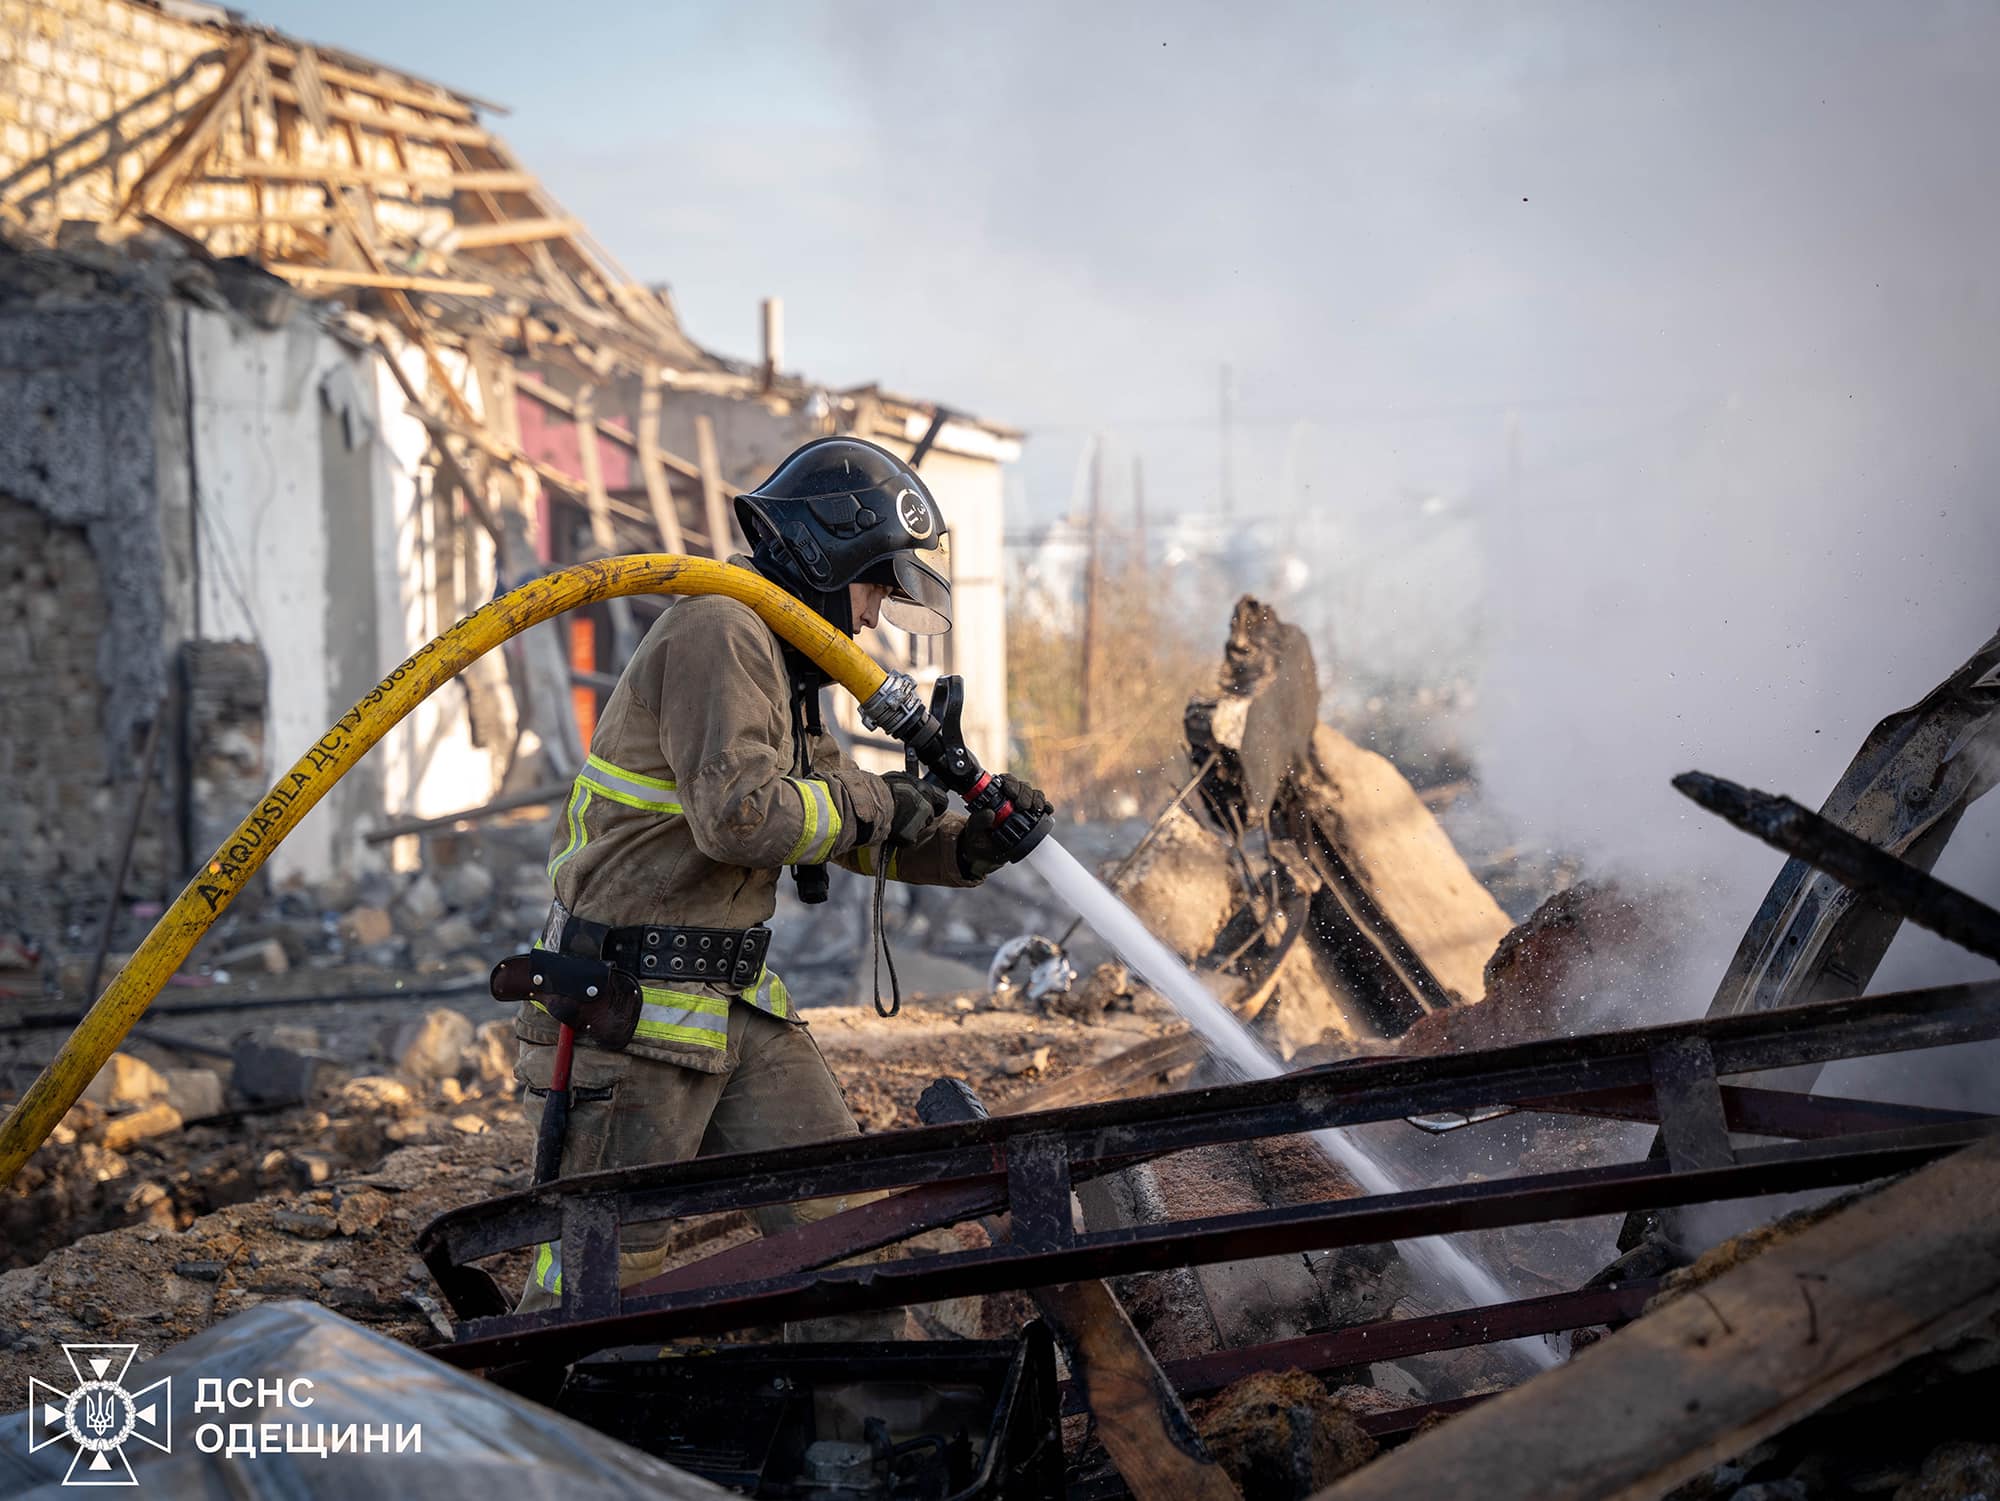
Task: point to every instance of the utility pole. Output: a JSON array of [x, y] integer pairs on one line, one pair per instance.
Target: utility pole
[[1091, 572], [1228, 439], [1138, 511]]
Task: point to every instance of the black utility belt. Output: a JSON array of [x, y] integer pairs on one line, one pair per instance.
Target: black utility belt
[[655, 953]]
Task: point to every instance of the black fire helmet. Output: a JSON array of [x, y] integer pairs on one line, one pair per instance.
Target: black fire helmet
[[842, 510]]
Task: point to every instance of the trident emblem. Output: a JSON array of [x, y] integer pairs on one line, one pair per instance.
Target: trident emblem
[[100, 1416]]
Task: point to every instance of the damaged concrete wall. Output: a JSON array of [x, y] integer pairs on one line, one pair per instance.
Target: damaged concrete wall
[[86, 624], [174, 470]]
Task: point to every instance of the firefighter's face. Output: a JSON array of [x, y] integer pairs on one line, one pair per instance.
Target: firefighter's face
[[866, 601]]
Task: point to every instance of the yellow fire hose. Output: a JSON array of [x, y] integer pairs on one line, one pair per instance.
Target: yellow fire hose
[[335, 753]]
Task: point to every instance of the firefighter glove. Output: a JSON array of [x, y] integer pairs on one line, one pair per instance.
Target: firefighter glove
[[980, 852], [917, 808]]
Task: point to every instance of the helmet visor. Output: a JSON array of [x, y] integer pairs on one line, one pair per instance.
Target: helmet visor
[[920, 599]]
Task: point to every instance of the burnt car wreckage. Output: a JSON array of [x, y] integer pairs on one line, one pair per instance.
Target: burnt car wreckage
[[1792, 1001]]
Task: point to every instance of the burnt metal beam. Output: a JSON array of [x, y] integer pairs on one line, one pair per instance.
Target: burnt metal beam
[[1371, 1220], [881, 1222], [1895, 885], [1690, 1100], [1108, 1135], [1140, 1419], [1763, 1112], [1392, 1339]]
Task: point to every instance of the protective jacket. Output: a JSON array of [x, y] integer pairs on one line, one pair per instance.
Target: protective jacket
[[689, 806]]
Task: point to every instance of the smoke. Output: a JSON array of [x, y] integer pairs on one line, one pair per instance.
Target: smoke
[[1636, 360]]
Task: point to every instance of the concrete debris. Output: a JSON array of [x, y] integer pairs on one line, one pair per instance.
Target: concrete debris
[[431, 1046], [122, 1132], [1595, 956], [1028, 1063], [1280, 1436], [1955, 1472], [125, 1082], [421, 905], [377, 1093], [465, 887], [364, 927], [268, 1074], [488, 1063], [196, 1093]]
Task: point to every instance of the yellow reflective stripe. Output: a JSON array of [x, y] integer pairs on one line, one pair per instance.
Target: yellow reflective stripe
[[548, 1267], [579, 801], [682, 1016], [809, 813], [822, 822], [683, 1000], [701, 1037], [628, 787], [831, 815], [657, 783], [769, 995], [864, 861]]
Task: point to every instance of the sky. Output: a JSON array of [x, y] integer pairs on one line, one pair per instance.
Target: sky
[[1637, 359]]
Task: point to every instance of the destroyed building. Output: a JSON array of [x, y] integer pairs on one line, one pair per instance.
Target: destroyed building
[[299, 365]]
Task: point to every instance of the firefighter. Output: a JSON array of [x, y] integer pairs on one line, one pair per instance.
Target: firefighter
[[710, 770]]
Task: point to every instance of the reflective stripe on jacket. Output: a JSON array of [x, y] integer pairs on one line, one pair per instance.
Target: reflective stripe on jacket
[[687, 810]]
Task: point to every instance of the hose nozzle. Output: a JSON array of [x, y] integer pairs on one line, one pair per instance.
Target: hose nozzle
[[934, 739]]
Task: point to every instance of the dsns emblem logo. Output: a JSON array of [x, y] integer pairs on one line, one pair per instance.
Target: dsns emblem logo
[[100, 1416], [914, 514]]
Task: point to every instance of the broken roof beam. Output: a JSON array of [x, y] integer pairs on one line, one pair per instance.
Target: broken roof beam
[[380, 176], [1716, 1371], [1894, 885], [286, 92], [394, 90], [241, 69], [339, 276], [509, 232]]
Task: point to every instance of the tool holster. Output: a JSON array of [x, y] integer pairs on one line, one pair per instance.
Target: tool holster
[[597, 1000]]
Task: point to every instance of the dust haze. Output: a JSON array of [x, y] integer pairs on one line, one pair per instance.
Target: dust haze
[[1632, 362]]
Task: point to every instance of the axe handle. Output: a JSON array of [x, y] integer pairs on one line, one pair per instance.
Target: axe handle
[[555, 1110]]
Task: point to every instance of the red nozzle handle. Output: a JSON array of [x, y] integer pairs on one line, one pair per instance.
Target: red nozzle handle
[[1000, 814]]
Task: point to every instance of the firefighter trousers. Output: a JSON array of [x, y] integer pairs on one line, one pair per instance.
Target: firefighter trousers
[[776, 1092]]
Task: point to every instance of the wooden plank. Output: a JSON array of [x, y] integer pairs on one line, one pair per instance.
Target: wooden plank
[[340, 277], [714, 506], [1743, 1357], [307, 219], [1116, 1076], [594, 494], [659, 493], [481, 512], [197, 137], [418, 331], [435, 101], [376, 119], [362, 177], [510, 232]]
